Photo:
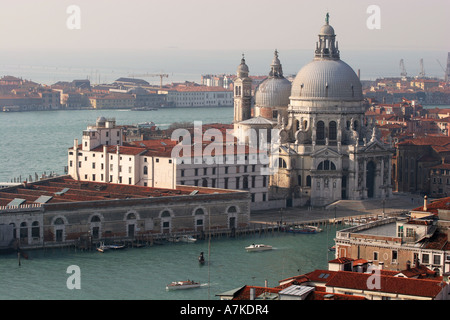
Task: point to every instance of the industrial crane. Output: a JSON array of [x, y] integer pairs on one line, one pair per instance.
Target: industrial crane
[[402, 69], [422, 70], [161, 75]]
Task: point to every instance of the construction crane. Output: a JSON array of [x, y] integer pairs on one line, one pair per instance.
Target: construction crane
[[445, 72], [402, 69], [161, 75], [422, 70]]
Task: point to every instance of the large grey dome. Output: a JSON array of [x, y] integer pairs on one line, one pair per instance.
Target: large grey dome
[[327, 79]]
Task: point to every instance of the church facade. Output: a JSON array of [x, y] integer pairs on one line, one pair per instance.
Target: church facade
[[328, 150]]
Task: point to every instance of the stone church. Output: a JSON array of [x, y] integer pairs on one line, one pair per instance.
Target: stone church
[[328, 149]]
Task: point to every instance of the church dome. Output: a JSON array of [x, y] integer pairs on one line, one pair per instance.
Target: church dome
[[327, 30], [273, 92], [276, 89], [327, 79]]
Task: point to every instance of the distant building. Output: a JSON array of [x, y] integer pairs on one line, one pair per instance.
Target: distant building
[[414, 159], [198, 96], [112, 101]]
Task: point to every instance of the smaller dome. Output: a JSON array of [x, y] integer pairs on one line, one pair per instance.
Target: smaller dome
[[273, 92], [326, 30], [242, 70]]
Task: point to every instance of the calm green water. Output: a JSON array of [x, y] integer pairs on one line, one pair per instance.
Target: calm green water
[[34, 142], [142, 273]]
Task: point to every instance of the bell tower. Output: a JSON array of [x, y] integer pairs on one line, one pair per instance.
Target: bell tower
[[242, 93]]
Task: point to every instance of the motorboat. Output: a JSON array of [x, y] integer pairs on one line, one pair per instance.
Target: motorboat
[[187, 238], [104, 247], [201, 258], [303, 229], [177, 285], [258, 247]]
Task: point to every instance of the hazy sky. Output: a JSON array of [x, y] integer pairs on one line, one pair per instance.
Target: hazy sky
[[37, 28], [229, 24]]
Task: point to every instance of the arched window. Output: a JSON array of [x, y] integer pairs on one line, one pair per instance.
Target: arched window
[[59, 221], [326, 165], [282, 163], [145, 170], [199, 211], [232, 209], [332, 134], [165, 214], [35, 231], [308, 181], [320, 132], [95, 219], [131, 216]]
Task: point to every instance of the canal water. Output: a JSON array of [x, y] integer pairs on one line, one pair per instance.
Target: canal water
[[142, 273], [37, 142]]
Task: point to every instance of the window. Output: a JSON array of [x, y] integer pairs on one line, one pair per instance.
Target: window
[[308, 181], [394, 255], [320, 131], [425, 258], [35, 229], [326, 165], [436, 259], [375, 256], [146, 170], [332, 135]]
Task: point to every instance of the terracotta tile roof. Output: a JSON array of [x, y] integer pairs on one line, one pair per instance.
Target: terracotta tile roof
[[442, 203], [91, 191], [388, 284]]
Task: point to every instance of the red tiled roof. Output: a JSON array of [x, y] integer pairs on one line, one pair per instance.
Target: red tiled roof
[[388, 284]]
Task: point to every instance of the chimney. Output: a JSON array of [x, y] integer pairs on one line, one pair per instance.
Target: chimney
[[252, 293], [75, 145], [417, 263], [425, 203], [408, 265], [381, 265]]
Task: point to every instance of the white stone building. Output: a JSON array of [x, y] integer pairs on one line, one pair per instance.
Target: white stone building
[[104, 157], [328, 150]]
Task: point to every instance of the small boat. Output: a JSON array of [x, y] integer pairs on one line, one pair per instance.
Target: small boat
[[177, 285], [315, 228], [104, 247], [332, 249], [201, 258], [187, 238], [303, 229], [258, 247]]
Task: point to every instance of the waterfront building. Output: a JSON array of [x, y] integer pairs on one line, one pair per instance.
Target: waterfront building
[[396, 243], [351, 279], [328, 150], [113, 100], [62, 211], [103, 156], [198, 96]]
